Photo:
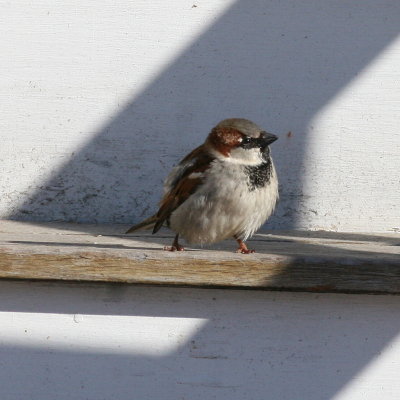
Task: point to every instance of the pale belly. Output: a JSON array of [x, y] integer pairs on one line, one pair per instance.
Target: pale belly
[[219, 211]]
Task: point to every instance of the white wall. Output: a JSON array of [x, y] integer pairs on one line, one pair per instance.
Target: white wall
[[100, 99], [113, 342]]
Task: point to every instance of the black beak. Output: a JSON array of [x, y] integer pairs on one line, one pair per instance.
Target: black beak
[[268, 138]]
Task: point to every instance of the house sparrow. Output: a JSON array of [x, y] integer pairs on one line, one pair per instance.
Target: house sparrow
[[227, 187]]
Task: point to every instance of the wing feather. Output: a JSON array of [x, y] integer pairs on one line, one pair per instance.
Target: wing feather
[[188, 177]]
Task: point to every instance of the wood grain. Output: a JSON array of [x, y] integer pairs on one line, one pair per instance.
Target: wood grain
[[306, 261]]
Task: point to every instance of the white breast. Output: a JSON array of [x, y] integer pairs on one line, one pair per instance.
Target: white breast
[[224, 206]]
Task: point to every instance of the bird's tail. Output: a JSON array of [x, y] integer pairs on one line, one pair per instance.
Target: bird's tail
[[146, 224]]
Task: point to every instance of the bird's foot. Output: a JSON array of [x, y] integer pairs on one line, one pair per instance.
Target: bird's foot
[[175, 245], [245, 251], [174, 248], [243, 248]]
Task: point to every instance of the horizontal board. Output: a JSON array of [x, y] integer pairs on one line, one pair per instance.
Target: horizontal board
[[292, 260]]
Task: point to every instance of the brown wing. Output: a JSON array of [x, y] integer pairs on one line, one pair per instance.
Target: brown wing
[[184, 186]]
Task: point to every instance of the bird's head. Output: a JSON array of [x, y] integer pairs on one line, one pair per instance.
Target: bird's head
[[241, 141]]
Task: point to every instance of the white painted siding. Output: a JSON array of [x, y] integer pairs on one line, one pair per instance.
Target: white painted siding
[[116, 342], [100, 99]]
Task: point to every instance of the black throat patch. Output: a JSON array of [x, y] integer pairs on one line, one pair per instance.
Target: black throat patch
[[259, 175]]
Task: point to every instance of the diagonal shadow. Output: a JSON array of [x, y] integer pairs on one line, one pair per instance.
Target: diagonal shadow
[[276, 63], [254, 345]]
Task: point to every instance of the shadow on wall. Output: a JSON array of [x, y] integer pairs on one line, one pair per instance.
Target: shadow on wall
[[254, 345], [276, 63]]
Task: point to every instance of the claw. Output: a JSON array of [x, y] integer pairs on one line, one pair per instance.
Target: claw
[[242, 247], [175, 246], [245, 251]]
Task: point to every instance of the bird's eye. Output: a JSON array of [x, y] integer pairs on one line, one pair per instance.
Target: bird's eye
[[246, 140]]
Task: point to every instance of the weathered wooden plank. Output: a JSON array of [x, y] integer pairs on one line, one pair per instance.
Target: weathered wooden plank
[[308, 261]]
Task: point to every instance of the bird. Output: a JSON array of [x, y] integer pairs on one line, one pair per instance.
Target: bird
[[225, 188]]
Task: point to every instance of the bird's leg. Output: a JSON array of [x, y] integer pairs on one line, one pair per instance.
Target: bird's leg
[[175, 245], [242, 247]]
